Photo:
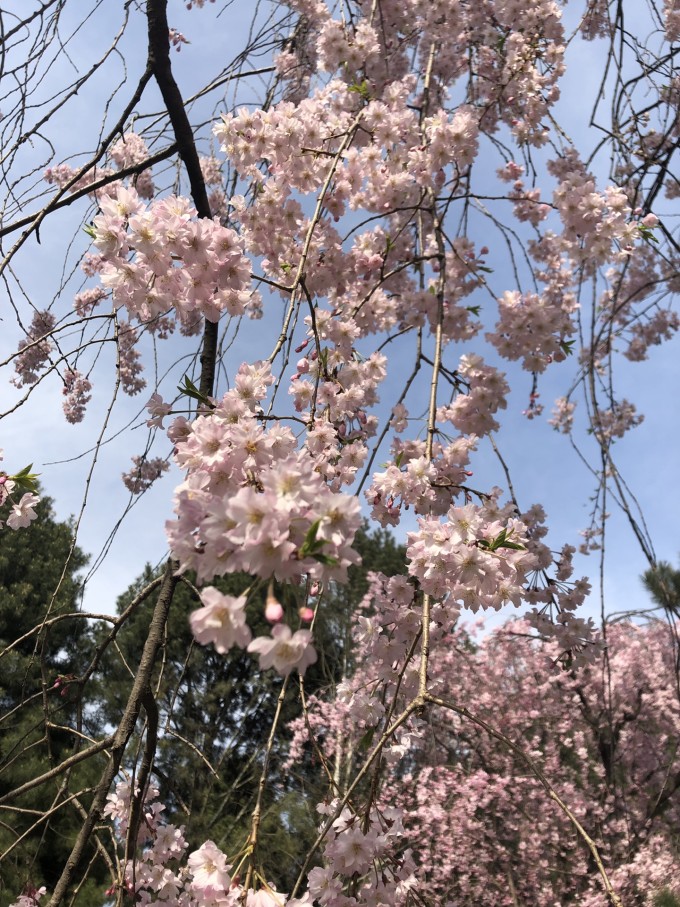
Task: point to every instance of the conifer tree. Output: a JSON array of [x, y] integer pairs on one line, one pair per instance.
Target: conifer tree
[[663, 584], [40, 655]]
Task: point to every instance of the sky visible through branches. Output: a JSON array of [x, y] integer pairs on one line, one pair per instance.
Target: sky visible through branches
[[46, 270], [369, 259]]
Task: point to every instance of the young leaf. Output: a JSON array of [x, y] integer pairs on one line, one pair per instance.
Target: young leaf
[[189, 389], [25, 480]]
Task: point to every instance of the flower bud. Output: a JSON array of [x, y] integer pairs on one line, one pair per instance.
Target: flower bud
[[273, 611]]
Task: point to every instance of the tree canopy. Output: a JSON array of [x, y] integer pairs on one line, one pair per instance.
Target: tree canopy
[[42, 715], [314, 263]]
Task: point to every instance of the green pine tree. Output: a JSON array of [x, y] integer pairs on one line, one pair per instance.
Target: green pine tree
[[663, 584], [38, 705]]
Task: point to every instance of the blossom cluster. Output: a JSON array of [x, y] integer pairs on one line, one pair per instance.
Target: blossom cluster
[[252, 501], [144, 473], [157, 876], [35, 350], [222, 621], [470, 560], [164, 873], [158, 257], [77, 395], [129, 151], [363, 847]]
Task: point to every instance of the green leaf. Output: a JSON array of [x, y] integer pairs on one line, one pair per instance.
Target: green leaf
[[364, 744], [325, 559], [89, 229], [647, 233], [25, 480], [361, 88], [502, 540], [311, 545], [189, 389]]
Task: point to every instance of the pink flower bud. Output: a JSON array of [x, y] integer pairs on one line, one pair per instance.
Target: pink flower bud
[[303, 366], [273, 611], [306, 615]]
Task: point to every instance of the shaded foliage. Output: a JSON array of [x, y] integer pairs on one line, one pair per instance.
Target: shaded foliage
[[38, 704]]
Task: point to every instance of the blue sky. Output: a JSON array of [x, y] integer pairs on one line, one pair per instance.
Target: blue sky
[[543, 466]]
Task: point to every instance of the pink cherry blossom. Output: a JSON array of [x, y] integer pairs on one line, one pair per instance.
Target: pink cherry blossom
[[285, 651], [208, 866], [221, 620], [23, 513], [157, 409]]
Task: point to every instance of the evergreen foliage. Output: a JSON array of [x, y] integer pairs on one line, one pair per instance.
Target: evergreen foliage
[[37, 703], [663, 584]]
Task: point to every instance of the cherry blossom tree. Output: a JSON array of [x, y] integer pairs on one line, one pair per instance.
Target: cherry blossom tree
[[380, 205], [474, 801]]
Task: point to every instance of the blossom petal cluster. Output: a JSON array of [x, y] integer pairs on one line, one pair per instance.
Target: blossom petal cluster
[[159, 257], [459, 558], [252, 501]]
